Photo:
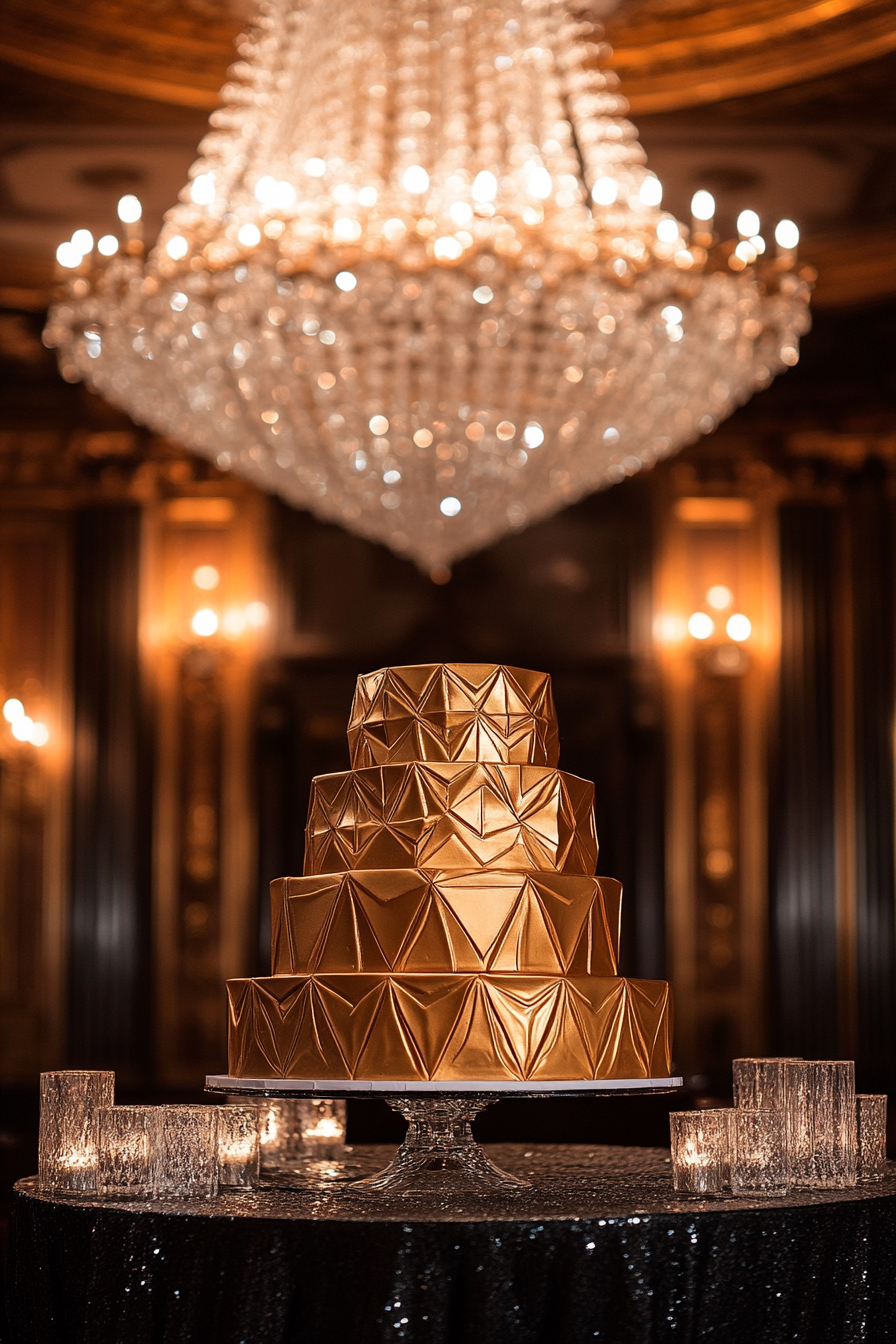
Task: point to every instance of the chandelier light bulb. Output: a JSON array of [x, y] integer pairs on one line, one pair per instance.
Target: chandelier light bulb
[[68, 256], [82, 239], [467, 238], [13, 709], [747, 223], [787, 235], [415, 180], [202, 189], [703, 206], [484, 189], [605, 191], [700, 625], [651, 191], [129, 210], [107, 245]]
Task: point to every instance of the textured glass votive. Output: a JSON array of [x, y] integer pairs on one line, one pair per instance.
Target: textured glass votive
[[293, 1130], [871, 1137], [323, 1128], [700, 1151], [185, 1151], [124, 1152], [820, 1110], [238, 1148], [759, 1083], [758, 1152], [69, 1103]]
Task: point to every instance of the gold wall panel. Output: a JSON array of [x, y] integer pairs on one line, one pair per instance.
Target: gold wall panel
[[408, 920], [449, 1027], [444, 816], [462, 712]]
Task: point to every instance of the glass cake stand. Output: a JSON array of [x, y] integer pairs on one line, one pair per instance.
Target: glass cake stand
[[439, 1152]]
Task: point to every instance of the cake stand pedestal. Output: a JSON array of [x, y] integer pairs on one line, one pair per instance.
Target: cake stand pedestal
[[439, 1155]]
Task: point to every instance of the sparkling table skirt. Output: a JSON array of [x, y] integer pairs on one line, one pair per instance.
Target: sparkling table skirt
[[598, 1248]]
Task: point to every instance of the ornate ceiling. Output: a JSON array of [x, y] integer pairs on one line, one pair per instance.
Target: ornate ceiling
[[670, 53]]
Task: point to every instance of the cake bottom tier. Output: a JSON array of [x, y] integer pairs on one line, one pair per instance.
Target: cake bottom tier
[[449, 1027]]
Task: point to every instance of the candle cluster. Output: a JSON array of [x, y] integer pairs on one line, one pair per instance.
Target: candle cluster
[[795, 1123], [88, 1145]]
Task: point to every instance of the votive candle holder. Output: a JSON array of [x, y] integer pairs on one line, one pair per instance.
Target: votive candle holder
[[871, 1136], [820, 1111], [67, 1141], [238, 1147], [185, 1152], [758, 1152], [759, 1083], [700, 1151], [124, 1152], [293, 1130]]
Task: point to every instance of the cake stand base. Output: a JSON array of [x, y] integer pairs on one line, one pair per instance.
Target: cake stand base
[[439, 1154]]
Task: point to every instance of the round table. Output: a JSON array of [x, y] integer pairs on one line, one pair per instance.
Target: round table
[[596, 1247]]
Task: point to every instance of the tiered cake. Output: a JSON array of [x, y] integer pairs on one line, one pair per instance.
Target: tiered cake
[[449, 926]]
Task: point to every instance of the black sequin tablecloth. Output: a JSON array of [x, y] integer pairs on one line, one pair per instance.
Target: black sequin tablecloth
[[599, 1248]]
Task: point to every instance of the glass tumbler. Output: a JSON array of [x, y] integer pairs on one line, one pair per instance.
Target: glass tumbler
[[700, 1151], [820, 1110], [871, 1136], [124, 1152], [759, 1154], [238, 1148], [185, 1152]]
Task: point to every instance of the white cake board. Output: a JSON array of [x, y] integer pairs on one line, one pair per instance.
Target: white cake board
[[350, 1087]]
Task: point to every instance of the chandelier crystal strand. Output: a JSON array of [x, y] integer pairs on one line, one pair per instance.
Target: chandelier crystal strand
[[421, 280]]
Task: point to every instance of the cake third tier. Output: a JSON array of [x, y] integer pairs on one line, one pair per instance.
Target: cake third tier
[[445, 815]]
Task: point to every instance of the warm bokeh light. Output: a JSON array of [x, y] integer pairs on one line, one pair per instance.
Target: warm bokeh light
[[40, 735], [651, 192], [82, 239], [257, 615], [206, 577], [700, 625], [68, 256], [234, 622], [719, 597], [205, 622], [703, 206], [13, 709], [787, 235], [739, 627], [669, 629], [107, 245], [21, 728], [129, 210], [747, 223]]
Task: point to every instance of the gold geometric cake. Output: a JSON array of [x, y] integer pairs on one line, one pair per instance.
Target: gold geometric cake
[[449, 926]]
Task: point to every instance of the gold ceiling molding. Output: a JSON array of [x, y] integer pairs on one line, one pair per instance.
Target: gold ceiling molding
[[670, 54]]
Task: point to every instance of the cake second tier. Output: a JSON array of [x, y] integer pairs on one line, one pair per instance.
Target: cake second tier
[[417, 921], [445, 815]]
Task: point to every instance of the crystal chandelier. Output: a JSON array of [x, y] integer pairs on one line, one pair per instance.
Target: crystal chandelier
[[421, 281]]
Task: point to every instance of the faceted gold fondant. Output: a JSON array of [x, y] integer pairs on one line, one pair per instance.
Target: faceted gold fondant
[[411, 920], [449, 1027], [449, 927], [469, 815], [453, 712]]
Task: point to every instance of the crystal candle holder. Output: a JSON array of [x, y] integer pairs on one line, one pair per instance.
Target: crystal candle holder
[[758, 1152], [124, 1152], [292, 1131], [185, 1152], [759, 1083], [67, 1149], [700, 1151], [323, 1129], [238, 1147], [871, 1137], [820, 1111]]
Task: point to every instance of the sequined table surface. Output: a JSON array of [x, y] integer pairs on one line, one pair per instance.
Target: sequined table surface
[[597, 1248]]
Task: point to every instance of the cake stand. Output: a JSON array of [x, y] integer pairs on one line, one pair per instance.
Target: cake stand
[[439, 1153]]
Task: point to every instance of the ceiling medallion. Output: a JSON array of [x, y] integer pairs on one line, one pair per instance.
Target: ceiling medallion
[[421, 281]]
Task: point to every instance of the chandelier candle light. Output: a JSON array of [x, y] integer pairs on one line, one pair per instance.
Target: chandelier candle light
[[422, 281]]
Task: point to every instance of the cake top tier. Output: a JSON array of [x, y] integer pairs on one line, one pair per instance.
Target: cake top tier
[[453, 712]]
